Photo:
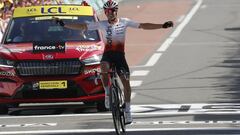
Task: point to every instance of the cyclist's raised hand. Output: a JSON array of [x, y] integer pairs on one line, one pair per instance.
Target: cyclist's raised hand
[[59, 21], [167, 24]]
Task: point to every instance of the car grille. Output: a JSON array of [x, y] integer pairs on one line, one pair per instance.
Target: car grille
[[40, 68]]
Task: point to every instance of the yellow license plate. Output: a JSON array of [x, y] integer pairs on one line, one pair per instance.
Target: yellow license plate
[[53, 84]]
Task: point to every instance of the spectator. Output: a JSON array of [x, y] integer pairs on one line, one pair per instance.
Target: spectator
[[22, 3], [47, 2], [8, 4], [1, 4], [35, 2], [5, 17], [59, 2], [1, 23]]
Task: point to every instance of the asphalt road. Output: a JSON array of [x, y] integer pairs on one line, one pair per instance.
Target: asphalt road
[[187, 84]]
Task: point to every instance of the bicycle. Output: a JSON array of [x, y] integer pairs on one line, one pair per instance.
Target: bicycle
[[116, 101]]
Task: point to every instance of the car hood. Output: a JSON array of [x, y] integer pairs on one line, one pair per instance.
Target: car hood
[[39, 51]]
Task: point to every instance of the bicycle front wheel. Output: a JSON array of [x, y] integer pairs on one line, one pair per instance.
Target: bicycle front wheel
[[121, 108], [115, 108]]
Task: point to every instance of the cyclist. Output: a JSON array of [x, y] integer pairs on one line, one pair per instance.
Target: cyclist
[[114, 29]]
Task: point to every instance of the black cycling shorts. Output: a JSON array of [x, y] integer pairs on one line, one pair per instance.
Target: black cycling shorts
[[118, 59]]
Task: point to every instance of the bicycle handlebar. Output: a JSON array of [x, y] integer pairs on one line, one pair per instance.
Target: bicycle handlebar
[[97, 75]]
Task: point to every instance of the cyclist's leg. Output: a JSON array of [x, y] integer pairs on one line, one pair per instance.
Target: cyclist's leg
[[127, 88], [127, 95], [104, 76], [121, 64], [123, 72]]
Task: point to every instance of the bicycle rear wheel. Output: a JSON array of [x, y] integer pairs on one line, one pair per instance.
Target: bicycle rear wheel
[[115, 108]]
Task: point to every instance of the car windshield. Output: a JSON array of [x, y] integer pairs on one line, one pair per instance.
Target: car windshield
[[37, 29]]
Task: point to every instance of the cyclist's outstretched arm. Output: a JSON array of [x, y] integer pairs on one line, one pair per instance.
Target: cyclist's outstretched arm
[[80, 26], [151, 26]]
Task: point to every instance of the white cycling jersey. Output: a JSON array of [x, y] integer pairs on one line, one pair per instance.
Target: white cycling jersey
[[114, 34]]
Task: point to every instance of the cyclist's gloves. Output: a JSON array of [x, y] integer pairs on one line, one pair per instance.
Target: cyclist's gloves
[[167, 24], [60, 22]]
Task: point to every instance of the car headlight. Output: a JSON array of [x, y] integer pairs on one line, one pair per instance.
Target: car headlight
[[6, 63], [95, 59]]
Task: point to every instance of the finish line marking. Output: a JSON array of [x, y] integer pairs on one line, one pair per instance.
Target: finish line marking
[[111, 130], [157, 109]]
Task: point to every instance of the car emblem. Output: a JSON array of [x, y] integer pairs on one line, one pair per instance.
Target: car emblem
[[48, 57]]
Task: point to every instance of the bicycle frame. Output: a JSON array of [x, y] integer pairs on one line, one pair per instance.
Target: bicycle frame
[[116, 102], [116, 98]]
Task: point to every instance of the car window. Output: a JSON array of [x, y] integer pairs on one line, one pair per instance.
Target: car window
[[35, 29]]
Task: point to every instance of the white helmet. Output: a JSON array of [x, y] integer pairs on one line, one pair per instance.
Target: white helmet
[[110, 4]]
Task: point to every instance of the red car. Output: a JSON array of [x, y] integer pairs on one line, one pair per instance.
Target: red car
[[41, 61]]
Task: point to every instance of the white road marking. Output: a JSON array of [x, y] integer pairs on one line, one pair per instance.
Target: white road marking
[[186, 122], [166, 44], [135, 83], [173, 109], [133, 95], [28, 125], [140, 73], [153, 60], [71, 131], [180, 27], [186, 20], [157, 109]]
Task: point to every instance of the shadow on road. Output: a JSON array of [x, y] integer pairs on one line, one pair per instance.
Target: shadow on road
[[232, 29]]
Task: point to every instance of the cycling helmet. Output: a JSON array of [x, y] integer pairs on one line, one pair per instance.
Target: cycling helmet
[[110, 4]]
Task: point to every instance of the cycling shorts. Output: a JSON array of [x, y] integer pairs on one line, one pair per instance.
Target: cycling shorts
[[118, 59]]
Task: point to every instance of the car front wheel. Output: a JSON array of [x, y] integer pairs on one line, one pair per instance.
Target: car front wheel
[[3, 109]]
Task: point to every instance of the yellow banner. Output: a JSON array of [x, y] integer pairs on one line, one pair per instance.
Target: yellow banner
[[53, 84], [53, 10]]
